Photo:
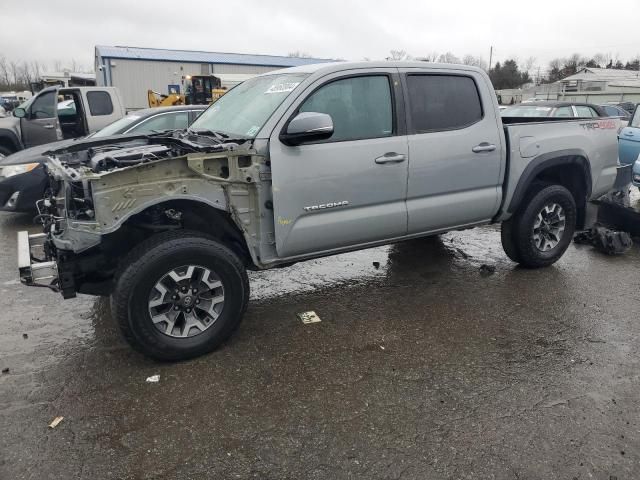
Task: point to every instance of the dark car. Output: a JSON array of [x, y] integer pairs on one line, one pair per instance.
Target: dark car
[[23, 179], [554, 109], [616, 111], [629, 107]]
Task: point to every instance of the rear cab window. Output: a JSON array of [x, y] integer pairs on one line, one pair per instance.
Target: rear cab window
[[442, 102], [584, 111], [99, 103]]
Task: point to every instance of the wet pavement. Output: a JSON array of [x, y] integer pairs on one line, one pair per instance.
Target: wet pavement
[[424, 366]]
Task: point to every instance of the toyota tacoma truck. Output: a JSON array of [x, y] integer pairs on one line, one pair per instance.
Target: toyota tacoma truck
[[296, 164]]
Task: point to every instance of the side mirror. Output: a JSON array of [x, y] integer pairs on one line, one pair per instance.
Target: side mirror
[[19, 112], [307, 127]]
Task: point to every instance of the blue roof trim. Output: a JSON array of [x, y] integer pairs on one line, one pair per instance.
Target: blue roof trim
[[190, 56]]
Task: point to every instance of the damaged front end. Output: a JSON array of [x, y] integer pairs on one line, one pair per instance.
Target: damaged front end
[[144, 184]]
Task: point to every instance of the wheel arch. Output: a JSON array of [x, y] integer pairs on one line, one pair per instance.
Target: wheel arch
[[195, 215], [569, 168]]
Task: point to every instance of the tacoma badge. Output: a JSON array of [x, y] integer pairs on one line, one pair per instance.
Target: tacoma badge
[[322, 206]]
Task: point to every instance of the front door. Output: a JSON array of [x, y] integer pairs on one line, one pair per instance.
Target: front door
[[456, 152], [40, 125], [350, 189]]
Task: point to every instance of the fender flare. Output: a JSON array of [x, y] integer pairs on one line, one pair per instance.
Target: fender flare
[[574, 156]]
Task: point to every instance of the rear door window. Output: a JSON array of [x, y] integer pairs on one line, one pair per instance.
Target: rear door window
[[163, 121], [99, 103], [443, 102]]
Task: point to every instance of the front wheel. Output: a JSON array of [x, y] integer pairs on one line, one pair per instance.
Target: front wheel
[[179, 295], [541, 230]]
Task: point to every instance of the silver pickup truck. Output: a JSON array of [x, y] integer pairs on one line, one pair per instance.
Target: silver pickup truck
[[302, 163]]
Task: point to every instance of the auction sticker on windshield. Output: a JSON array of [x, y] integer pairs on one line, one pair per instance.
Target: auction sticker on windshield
[[282, 87]]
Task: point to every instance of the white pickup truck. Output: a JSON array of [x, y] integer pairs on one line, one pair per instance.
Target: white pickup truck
[[297, 164], [59, 113]]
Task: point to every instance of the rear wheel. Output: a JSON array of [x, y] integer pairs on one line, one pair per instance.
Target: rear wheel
[[542, 229], [180, 295]]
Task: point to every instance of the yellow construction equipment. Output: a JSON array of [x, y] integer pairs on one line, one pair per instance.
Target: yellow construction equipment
[[160, 100], [199, 90], [202, 89]]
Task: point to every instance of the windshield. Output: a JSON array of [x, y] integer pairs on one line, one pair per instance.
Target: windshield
[[117, 127], [246, 108], [526, 111]]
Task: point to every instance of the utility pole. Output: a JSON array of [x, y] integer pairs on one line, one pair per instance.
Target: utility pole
[[490, 56]]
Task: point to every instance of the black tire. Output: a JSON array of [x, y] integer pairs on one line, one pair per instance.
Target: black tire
[[508, 243], [5, 152], [147, 263], [518, 232]]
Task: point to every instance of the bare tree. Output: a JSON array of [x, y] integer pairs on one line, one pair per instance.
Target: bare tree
[[529, 64], [429, 57], [4, 71], [15, 72], [602, 59], [398, 55], [448, 58], [474, 61], [57, 65]]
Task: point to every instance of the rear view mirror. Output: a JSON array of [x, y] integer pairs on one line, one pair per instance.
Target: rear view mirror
[[307, 127], [19, 112]]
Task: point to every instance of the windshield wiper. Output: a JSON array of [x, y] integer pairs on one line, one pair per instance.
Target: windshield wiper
[[212, 133]]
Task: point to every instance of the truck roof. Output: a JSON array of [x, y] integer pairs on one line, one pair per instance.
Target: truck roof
[[340, 66]]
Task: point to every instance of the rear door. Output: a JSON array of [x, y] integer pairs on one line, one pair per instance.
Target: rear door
[[41, 123], [350, 189], [629, 143], [455, 151]]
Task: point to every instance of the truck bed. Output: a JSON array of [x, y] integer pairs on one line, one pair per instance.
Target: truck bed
[[531, 141]]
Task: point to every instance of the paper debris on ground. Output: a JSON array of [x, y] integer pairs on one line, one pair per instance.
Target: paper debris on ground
[[54, 423], [153, 379], [309, 317]]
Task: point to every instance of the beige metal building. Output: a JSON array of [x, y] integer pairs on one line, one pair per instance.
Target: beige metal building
[[135, 70], [591, 85]]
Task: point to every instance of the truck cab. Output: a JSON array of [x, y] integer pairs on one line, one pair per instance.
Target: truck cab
[[57, 114]]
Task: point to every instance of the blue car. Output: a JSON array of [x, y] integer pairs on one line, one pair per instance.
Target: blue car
[[629, 143]]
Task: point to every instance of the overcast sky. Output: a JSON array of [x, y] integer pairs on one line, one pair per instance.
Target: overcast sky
[[350, 29]]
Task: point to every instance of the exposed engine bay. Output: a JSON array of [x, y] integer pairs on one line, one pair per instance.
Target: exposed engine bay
[[74, 169], [105, 196]]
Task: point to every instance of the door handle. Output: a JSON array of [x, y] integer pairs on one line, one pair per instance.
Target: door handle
[[49, 126], [483, 147], [390, 157], [629, 134]]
